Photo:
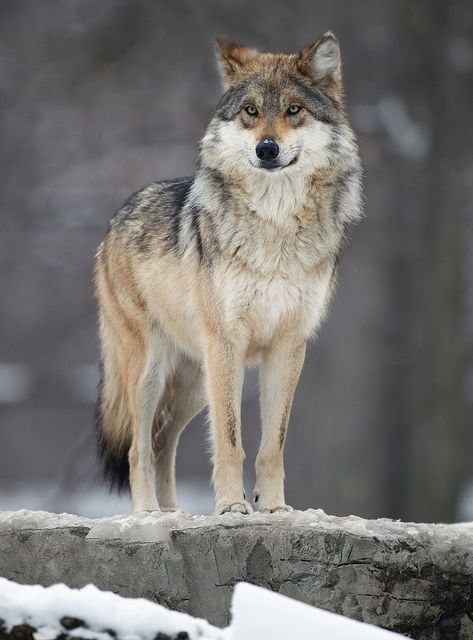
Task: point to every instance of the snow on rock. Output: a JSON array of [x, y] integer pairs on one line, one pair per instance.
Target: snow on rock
[[98, 615], [155, 526], [91, 613], [408, 577], [257, 613]]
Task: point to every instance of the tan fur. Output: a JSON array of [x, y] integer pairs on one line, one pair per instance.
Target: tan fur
[[239, 273]]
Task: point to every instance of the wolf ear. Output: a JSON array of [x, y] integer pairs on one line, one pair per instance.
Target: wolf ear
[[321, 61], [232, 57]]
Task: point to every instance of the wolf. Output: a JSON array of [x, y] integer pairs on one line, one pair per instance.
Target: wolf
[[200, 277]]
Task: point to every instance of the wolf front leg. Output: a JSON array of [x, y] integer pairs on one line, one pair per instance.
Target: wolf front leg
[[279, 374], [224, 365]]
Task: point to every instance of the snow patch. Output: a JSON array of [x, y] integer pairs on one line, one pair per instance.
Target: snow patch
[[155, 526], [257, 613], [43, 608]]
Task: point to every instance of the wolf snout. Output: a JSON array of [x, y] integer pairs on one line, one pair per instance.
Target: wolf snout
[[267, 150]]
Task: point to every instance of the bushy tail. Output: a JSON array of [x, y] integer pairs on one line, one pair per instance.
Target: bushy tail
[[113, 427]]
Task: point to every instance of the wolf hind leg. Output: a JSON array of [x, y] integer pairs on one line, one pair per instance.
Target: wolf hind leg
[[147, 379], [183, 399]]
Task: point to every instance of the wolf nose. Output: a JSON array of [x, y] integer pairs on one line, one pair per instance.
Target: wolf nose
[[267, 150]]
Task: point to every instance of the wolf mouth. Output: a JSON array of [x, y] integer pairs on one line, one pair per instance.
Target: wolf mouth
[[268, 166]]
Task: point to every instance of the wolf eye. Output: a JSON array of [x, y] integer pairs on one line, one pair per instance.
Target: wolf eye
[[293, 109], [251, 110]]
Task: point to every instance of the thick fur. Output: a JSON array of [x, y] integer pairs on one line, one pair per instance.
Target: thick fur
[[199, 277]]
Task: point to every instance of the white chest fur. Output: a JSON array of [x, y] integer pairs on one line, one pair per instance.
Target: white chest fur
[[277, 197], [260, 305]]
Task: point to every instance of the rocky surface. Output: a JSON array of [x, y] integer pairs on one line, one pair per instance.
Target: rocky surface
[[416, 579]]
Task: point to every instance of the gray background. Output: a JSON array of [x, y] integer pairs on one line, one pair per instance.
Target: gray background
[[98, 98]]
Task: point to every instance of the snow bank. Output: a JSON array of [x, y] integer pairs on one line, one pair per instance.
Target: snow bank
[[93, 613], [97, 615], [257, 613]]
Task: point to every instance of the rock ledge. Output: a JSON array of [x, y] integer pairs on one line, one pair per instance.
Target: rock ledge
[[416, 579]]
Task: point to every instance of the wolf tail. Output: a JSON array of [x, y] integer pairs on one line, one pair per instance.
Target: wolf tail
[[113, 424]]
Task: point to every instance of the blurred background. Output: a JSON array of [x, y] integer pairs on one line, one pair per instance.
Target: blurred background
[[99, 98]]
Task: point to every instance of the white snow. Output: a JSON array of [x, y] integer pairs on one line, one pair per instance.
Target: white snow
[[131, 619], [258, 613], [155, 526]]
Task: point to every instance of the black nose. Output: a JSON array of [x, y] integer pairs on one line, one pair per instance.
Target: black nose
[[267, 150]]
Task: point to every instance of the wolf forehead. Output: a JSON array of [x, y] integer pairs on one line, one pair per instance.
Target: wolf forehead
[[272, 93], [272, 81]]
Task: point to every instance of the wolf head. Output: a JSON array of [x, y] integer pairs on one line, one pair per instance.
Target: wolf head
[[280, 113]]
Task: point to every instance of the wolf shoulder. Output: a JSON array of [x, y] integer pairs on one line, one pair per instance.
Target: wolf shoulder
[[153, 213]]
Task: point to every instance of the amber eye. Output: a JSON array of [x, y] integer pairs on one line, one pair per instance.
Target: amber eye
[[293, 109], [251, 110]]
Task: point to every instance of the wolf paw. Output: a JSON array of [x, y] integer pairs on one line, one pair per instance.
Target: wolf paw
[[170, 509], [276, 509], [234, 507]]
